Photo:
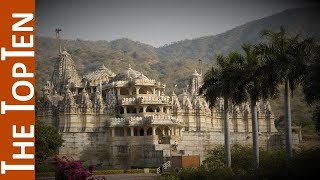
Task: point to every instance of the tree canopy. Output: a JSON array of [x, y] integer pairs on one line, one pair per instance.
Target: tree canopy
[[48, 141]]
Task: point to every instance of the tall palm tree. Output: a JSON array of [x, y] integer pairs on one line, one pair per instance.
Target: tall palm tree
[[225, 81], [260, 85], [311, 83], [287, 57]]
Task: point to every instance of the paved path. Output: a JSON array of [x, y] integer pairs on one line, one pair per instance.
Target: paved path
[[141, 176]]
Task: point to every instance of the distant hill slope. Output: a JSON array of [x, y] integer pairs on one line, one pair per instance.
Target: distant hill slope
[[173, 64], [303, 21]]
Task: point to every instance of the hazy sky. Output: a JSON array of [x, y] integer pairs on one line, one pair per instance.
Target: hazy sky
[[155, 22]]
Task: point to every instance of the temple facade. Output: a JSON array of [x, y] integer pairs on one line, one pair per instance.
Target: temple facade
[[127, 120]]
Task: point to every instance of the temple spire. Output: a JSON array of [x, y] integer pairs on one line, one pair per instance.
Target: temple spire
[[58, 39]]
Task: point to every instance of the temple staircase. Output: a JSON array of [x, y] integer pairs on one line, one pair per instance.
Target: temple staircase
[[165, 166]]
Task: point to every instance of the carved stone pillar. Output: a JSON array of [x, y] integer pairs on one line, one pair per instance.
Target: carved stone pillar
[[137, 90], [118, 91], [124, 109], [125, 131], [131, 131], [154, 130], [144, 131], [112, 132]]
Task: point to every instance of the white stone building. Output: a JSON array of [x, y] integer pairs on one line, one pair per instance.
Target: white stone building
[[126, 119]]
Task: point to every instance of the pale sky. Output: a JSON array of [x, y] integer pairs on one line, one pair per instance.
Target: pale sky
[[154, 22]]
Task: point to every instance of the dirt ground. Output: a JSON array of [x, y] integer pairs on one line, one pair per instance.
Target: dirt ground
[[310, 141]]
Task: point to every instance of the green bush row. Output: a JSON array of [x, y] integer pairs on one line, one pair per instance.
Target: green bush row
[[122, 171], [273, 165]]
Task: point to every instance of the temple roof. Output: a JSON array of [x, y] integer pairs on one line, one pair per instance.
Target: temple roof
[[102, 73], [129, 74]]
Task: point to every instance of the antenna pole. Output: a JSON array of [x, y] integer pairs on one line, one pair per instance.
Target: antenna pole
[[58, 39]]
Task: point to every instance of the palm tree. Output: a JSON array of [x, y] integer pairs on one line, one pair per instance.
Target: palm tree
[[260, 84], [286, 57], [225, 81], [311, 84]]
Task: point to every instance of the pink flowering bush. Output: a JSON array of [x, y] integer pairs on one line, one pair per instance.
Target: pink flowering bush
[[71, 170]]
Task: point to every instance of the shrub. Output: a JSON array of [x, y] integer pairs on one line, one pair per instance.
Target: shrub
[[242, 160], [273, 165], [134, 171], [109, 171], [71, 170]]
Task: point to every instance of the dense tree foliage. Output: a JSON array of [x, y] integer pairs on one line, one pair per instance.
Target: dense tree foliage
[[48, 141], [288, 58], [311, 85]]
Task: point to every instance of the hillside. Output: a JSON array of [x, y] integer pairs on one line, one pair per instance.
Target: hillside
[[297, 21], [173, 64]]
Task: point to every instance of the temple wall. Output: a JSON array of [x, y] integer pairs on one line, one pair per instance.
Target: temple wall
[[88, 138], [198, 143]]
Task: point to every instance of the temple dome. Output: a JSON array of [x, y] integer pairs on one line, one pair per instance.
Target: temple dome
[[102, 73], [129, 74]]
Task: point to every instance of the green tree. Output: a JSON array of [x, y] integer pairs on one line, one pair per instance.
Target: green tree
[[48, 141], [311, 84], [225, 82], [287, 57], [259, 85]]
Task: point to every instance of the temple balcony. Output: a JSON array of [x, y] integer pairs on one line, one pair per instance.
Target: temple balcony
[[146, 82], [128, 101], [153, 100]]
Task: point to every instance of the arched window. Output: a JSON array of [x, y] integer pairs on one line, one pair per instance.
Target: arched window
[[165, 110], [121, 110], [143, 90], [150, 109], [119, 131], [149, 131], [158, 131], [166, 130], [131, 110], [124, 91], [141, 132]]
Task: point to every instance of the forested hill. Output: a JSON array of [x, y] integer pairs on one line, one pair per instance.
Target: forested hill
[[302, 21], [174, 63]]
